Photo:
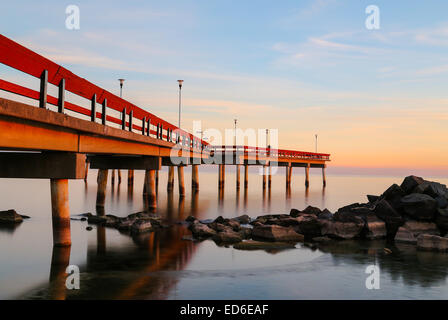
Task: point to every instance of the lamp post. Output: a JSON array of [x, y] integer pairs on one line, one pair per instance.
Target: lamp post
[[119, 171], [121, 86], [180, 98], [316, 141], [234, 131]]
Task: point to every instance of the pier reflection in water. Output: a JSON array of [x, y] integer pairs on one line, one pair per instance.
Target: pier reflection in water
[[161, 265]]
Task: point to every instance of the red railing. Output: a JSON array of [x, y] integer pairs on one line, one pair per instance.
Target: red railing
[[279, 153], [20, 58]]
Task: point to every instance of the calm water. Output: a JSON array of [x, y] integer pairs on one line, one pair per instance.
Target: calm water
[[161, 265]]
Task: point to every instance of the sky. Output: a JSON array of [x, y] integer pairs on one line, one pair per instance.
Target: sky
[[376, 98]]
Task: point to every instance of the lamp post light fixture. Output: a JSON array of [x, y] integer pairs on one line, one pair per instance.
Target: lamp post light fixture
[[316, 141], [234, 131], [121, 86], [180, 98]]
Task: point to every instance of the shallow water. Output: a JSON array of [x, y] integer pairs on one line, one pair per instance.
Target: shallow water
[[160, 265]]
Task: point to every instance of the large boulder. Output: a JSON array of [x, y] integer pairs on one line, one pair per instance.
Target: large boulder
[[312, 210], [244, 219], [276, 233], [432, 243], [295, 213], [341, 230], [375, 228], [410, 231], [432, 189], [390, 216], [405, 235], [325, 215], [308, 225], [419, 206], [372, 198], [200, 230], [227, 236], [10, 217], [442, 219], [410, 183], [352, 216]]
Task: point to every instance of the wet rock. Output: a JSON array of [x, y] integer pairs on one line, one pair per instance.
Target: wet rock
[[244, 219], [432, 243], [410, 183], [259, 245], [219, 227], [200, 230], [221, 220], [141, 225], [96, 219], [442, 219], [284, 222], [442, 202], [325, 215], [308, 225], [418, 227], [393, 195], [112, 221], [125, 224], [321, 239], [190, 219], [390, 216], [246, 233], [372, 198], [89, 228], [432, 189], [235, 225], [295, 213], [311, 210], [26, 217], [375, 228], [419, 206], [276, 233], [406, 236], [341, 230], [206, 221], [227, 236], [83, 219], [10, 217]]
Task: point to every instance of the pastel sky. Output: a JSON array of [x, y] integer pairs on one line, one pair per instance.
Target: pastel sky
[[376, 98]]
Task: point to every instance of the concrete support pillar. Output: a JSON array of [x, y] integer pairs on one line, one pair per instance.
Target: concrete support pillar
[[237, 176], [288, 176], [180, 176], [194, 177], [246, 175], [60, 212], [221, 178], [130, 177], [170, 184], [269, 177], [307, 175], [87, 169], [157, 179], [102, 183], [324, 178], [150, 185], [113, 176], [264, 177], [119, 176]]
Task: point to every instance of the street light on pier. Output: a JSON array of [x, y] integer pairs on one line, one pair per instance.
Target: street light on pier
[[180, 98], [234, 131], [316, 141], [121, 86]]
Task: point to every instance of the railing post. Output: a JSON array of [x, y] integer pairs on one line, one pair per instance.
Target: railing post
[[123, 119], [43, 90], [149, 127], [103, 112], [158, 128], [93, 109], [143, 125], [161, 132], [131, 115], [61, 98]]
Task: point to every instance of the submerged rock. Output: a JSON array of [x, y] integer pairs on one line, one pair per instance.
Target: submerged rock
[[10, 217], [276, 233], [260, 245], [375, 228], [432, 243], [405, 235], [200, 230], [227, 236], [141, 225]]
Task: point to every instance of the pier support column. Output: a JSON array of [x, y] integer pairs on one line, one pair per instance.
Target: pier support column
[[264, 177], [269, 177], [150, 186], [288, 170], [119, 176], [157, 179], [113, 176], [87, 169], [194, 177], [102, 183], [238, 175], [130, 177], [246, 176], [170, 184], [307, 175], [221, 178], [180, 176], [324, 178], [60, 212]]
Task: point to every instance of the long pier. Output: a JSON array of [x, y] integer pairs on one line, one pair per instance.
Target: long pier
[[58, 140]]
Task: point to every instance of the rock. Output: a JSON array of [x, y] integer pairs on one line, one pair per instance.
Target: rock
[[347, 216], [442, 219], [418, 227], [393, 195], [442, 202], [190, 219], [200, 230], [432, 243], [10, 217], [375, 228], [432, 189], [221, 220], [244, 219], [341, 230], [372, 198], [188, 238], [295, 213], [276, 233], [97, 219], [308, 225], [409, 183], [219, 227], [125, 224], [259, 245], [141, 225], [312, 210], [112, 221], [404, 235], [83, 219], [27, 217], [235, 225], [284, 222], [246, 233], [325, 215], [349, 207], [419, 206], [390, 216], [89, 228], [321, 239], [228, 236]]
